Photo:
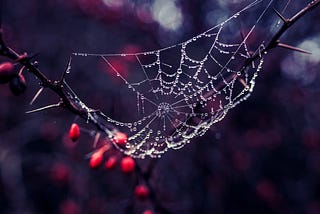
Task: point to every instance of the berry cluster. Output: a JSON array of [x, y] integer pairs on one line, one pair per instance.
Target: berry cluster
[[127, 163]]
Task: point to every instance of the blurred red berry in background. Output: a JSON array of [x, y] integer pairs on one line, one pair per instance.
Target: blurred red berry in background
[[6, 72], [60, 173], [147, 212], [141, 191], [69, 207]]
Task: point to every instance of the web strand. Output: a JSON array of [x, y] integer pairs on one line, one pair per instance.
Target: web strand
[[182, 90]]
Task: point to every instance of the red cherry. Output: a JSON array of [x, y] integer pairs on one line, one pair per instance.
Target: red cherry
[[74, 132], [127, 165], [120, 138], [111, 162], [147, 212], [6, 72], [141, 191], [96, 159]]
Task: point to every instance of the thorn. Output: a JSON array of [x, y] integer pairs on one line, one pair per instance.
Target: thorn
[[21, 58], [101, 150], [96, 139], [21, 70], [280, 16], [292, 48], [67, 70], [243, 82], [105, 148], [44, 108], [36, 95]]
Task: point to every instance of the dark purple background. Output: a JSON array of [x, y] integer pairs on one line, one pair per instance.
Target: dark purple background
[[264, 157]]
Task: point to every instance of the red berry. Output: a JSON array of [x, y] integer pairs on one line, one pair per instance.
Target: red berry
[[6, 72], [141, 191], [74, 132], [120, 138], [96, 159], [127, 165], [60, 173], [147, 212], [111, 162], [69, 207], [18, 84]]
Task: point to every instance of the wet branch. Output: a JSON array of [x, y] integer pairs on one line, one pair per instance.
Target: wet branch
[[68, 103], [275, 40]]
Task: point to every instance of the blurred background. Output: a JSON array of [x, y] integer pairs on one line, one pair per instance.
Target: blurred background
[[264, 157]]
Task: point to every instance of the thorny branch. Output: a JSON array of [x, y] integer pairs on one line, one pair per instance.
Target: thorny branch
[[60, 88], [275, 40], [273, 43]]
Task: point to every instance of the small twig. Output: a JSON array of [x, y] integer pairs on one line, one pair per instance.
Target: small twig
[[146, 177]]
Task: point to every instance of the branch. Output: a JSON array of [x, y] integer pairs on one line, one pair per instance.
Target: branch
[[275, 40], [262, 50], [62, 90]]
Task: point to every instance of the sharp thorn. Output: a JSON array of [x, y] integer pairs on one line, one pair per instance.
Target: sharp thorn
[[292, 48], [102, 149], [280, 16], [67, 70], [36, 95], [243, 82], [96, 139], [44, 108]]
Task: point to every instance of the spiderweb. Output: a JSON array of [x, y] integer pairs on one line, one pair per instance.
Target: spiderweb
[[175, 94]]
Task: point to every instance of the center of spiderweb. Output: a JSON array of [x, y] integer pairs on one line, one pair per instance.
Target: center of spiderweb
[[175, 94], [164, 109]]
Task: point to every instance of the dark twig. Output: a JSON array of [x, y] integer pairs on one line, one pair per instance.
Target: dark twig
[[275, 40], [68, 103], [273, 43], [60, 88], [146, 175]]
